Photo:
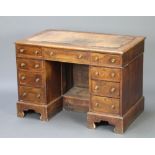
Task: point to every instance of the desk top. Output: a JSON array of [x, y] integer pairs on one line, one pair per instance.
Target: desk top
[[83, 41]]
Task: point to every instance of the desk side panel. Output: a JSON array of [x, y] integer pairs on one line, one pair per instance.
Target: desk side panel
[[132, 83]]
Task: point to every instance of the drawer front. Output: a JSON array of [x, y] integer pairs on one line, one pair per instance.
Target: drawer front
[[103, 88], [30, 79], [105, 105], [28, 51], [108, 74], [33, 95], [66, 56], [27, 64], [105, 60]]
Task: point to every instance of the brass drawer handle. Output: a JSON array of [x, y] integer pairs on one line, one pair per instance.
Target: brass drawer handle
[[96, 87], [36, 66], [38, 96], [36, 52], [80, 56], [23, 77], [113, 60], [96, 58], [97, 104], [97, 73], [113, 107], [21, 50], [113, 75], [37, 80], [51, 53], [113, 90], [22, 64], [24, 94]]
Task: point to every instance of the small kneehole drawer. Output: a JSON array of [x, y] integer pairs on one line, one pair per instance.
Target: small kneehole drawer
[[66, 56]]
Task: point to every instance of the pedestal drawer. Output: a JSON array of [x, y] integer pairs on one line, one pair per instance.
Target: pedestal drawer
[[104, 88], [105, 60], [105, 105], [30, 79], [28, 51], [27, 64], [103, 73], [32, 95], [66, 56]]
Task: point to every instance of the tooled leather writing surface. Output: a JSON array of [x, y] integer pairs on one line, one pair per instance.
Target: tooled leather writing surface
[[83, 40]]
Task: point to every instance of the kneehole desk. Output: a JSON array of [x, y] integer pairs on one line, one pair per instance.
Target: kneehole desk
[[100, 74]]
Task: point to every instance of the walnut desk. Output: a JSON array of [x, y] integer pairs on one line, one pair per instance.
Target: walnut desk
[[101, 74]]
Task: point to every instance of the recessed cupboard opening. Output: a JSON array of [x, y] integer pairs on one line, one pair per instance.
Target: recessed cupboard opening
[[75, 87]]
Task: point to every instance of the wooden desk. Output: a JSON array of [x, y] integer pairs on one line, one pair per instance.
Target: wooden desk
[[100, 74]]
